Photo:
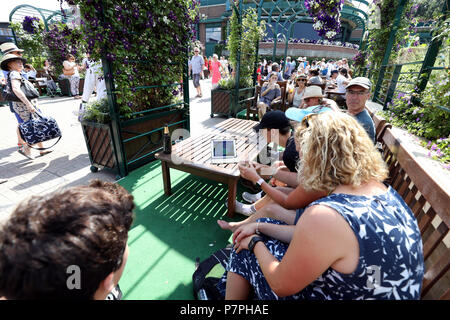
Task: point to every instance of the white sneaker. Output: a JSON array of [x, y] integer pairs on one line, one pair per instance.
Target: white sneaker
[[250, 197]]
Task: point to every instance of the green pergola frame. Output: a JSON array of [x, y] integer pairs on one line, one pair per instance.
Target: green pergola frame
[[290, 11], [47, 16]]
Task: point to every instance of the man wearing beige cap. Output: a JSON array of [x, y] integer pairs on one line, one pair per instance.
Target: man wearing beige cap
[[357, 94]]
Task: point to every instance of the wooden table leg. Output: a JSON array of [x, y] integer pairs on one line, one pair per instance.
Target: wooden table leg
[[232, 190], [166, 178]]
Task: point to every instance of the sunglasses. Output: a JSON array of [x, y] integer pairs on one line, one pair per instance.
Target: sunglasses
[[301, 80], [305, 122]]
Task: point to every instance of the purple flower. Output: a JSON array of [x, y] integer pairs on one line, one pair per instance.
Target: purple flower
[[31, 24]]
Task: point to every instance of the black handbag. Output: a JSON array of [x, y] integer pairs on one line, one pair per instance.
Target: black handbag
[[39, 129], [26, 86]]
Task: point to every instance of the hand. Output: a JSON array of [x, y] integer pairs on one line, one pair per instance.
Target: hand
[[277, 183], [249, 172], [243, 231], [32, 109], [243, 244]]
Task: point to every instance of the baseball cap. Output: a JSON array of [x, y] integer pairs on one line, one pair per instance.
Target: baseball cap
[[274, 119], [297, 114], [360, 81]]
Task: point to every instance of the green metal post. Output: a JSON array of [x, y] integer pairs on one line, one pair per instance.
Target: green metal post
[[275, 42], [430, 56], [186, 86], [393, 84], [390, 44], [238, 58], [114, 112], [259, 9]]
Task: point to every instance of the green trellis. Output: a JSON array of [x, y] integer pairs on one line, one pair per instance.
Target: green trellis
[[389, 75], [284, 14], [48, 16]]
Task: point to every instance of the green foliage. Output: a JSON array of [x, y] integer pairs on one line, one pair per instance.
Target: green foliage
[[382, 17], [245, 38], [60, 41], [32, 43], [145, 44], [429, 117], [97, 111]]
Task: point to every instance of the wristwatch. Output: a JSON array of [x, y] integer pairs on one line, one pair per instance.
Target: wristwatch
[[253, 241]]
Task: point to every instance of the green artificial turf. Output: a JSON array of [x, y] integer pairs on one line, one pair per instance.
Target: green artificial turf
[[168, 233]]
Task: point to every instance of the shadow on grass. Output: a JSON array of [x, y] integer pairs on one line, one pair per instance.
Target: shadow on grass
[[170, 232]]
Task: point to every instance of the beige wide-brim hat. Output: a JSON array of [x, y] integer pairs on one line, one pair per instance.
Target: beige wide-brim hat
[[8, 58], [313, 92], [8, 47]]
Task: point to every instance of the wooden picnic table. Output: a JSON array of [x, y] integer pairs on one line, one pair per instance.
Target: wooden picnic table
[[193, 155]]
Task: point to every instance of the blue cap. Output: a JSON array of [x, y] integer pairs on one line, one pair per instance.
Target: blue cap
[[297, 114]]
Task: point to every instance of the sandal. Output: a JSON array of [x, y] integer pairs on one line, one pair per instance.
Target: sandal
[[25, 150], [43, 153]]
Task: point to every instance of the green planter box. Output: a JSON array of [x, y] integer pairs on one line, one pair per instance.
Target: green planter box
[[223, 101], [100, 146]]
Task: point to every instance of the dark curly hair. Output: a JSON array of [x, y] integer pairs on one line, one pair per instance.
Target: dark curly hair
[[86, 226]]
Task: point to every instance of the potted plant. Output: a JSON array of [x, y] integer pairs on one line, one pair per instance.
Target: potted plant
[[244, 37], [96, 126]]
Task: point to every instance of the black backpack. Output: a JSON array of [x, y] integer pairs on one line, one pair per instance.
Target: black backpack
[[205, 284]]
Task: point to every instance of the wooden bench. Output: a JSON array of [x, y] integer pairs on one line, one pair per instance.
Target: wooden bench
[[429, 202]]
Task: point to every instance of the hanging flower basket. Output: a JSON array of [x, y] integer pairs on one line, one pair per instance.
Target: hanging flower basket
[[326, 16]]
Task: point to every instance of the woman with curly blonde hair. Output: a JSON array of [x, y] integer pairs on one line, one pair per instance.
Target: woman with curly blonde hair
[[335, 153], [361, 241]]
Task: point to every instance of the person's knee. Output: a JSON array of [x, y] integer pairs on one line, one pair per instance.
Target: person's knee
[[267, 210]]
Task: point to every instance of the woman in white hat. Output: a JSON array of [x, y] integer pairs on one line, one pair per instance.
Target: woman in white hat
[[24, 109], [313, 97], [9, 47]]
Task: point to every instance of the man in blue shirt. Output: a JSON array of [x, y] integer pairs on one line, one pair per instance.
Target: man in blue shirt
[[357, 94], [290, 67], [275, 68], [196, 65]]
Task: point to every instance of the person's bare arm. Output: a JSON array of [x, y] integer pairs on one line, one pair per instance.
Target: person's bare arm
[[286, 176], [283, 233], [321, 239], [298, 198], [15, 85]]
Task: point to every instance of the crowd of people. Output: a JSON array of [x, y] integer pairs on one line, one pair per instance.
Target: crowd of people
[[322, 224]]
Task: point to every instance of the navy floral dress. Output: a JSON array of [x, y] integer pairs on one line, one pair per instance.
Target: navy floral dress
[[391, 256]]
